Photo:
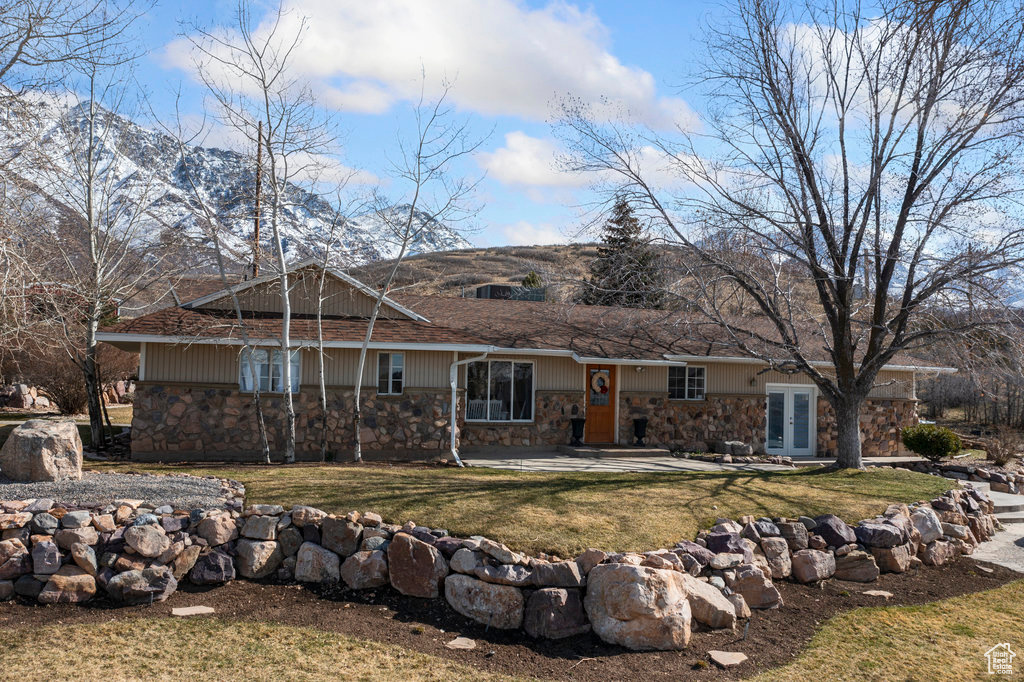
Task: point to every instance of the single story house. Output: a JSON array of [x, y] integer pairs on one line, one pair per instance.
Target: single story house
[[507, 373]]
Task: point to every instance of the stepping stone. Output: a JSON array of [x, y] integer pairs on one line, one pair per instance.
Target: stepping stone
[[191, 611], [984, 569], [727, 659], [877, 593], [461, 643]]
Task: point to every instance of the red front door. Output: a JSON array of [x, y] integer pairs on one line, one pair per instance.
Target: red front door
[[600, 424]]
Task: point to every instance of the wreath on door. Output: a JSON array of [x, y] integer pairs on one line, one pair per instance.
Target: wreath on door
[[600, 380]]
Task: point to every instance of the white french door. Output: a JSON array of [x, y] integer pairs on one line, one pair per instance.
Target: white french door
[[791, 412]]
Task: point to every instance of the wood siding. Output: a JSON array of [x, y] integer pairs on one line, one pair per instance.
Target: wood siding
[[209, 364], [341, 298]]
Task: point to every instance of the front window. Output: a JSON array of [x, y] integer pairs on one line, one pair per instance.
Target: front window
[[499, 391], [686, 383], [390, 373], [269, 368]]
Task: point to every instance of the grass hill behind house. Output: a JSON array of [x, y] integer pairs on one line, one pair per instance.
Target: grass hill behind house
[[450, 273]]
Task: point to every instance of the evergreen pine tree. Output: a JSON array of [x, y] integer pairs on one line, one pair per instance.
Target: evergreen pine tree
[[533, 280], [626, 271]]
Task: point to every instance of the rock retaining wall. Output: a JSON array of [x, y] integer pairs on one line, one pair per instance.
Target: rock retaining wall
[[134, 553]]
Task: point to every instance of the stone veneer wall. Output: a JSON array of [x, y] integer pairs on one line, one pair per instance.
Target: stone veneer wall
[[694, 425], [553, 410], [881, 422], [178, 421], [691, 424]]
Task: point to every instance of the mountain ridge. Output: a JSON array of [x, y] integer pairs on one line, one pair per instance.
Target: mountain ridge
[[145, 168]]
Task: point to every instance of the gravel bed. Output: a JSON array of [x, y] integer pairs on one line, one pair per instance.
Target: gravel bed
[[95, 489]]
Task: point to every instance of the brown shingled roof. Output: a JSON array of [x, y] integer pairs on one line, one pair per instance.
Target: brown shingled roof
[[220, 324]]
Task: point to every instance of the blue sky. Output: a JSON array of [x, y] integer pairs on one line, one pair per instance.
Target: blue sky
[[509, 58]]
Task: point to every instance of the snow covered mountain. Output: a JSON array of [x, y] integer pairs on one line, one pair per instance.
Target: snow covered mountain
[[142, 169]]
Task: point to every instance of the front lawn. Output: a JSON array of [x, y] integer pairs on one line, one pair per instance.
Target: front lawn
[[943, 640], [212, 649], [564, 513]]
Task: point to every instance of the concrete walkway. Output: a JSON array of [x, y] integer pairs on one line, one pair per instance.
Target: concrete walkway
[[1006, 548], [528, 459], [556, 461]]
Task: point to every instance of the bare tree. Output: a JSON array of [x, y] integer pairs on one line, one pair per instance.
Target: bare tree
[[422, 172], [247, 72], [839, 139], [213, 229]]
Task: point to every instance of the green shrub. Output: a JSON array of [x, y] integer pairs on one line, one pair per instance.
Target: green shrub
[[933, 442]]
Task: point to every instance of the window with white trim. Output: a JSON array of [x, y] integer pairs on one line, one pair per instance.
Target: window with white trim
[[390, 373], [269, 368], [499, 391], [686, 383]]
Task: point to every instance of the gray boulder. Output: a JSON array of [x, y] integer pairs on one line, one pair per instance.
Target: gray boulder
[[42, 450], [555, 613]]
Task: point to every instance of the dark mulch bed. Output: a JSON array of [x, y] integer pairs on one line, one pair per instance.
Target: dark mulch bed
[[773, 638]]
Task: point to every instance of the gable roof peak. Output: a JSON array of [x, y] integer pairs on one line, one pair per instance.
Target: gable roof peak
[[302, 265]]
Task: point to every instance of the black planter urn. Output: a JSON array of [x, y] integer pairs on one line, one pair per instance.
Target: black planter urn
[[640, 431], [577, 430]]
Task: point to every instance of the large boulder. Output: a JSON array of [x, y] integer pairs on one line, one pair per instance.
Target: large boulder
[[149, 540], [149, 585], [415, 568], [927, 523], [214, 568], [42, 450], [218, 528], [558, 574], [555, 613], [341, 536], [776, 551], [795, 534], [365, 569], [69, 585], [812, 565], [314, 564], [893, 559], [757, 589], [857, 566], [708, 605], [937, 553], [258, 558], [637, 607], [834, 530], [496, 606], [872, 534]]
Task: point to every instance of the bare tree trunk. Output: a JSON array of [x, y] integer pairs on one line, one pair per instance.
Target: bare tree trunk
[[848, 451], [320, 365], [89, 370]]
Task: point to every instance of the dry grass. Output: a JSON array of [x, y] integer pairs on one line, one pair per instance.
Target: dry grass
[[944, 640], [564, 513], [200, 649]]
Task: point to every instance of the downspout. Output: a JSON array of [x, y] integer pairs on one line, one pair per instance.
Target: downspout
[[453, 380]]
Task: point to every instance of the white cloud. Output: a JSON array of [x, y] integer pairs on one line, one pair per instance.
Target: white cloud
[[528, 161], [532, 162], [523, 233], [504, 57]]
